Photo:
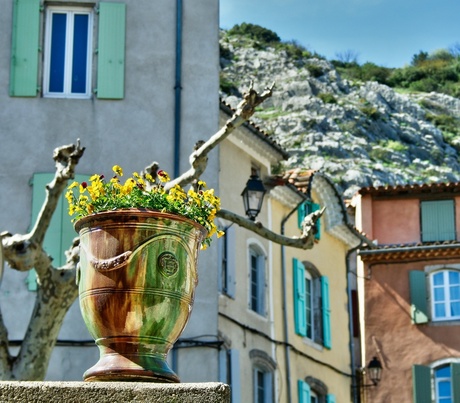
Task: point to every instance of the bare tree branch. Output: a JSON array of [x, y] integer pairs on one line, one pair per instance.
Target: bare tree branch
[[198, 159], [305, 241]]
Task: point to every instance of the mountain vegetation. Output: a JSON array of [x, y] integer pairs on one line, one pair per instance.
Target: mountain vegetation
[[363, 125]]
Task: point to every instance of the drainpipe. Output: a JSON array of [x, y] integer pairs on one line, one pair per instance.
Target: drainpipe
[[354, 385], [285, 324], [178, 89]]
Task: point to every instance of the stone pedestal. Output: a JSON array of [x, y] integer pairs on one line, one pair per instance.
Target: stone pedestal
[[113, 392]]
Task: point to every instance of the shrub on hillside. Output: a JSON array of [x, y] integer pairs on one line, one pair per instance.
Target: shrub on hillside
[[255, 32]]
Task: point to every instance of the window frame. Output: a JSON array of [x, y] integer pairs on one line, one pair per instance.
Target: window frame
[[438, 379], [257, 278], [447, 302], [69, 11]]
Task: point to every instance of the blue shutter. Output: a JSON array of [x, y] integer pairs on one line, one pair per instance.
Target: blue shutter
[[330, 398], [25, 48], [231, 264], [326, 311], [421, 384], [303, 390], [455, 374], [235, 382], [300, 313], [111, 51], [418, 297]]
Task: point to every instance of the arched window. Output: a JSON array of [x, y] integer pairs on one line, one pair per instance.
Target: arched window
[[443, 384], [263, 369]]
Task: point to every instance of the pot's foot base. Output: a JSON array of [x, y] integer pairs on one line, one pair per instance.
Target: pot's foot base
[[124, 368]]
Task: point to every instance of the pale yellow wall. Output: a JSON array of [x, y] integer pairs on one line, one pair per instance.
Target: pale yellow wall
[[328, 255], [236, 168]]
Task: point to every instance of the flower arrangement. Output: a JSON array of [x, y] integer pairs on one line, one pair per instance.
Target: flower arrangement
[[147, 192]]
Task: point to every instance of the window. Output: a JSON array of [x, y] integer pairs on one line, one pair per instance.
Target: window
[[445, 292], [226, 247], [229, 372], [311, 304], [68, 48], [444, 295], [68, 44], [312, 390], [256, 280], [262, 386], [264, 367], [438, 220], [443, 384], [305, 209], [440, 381]]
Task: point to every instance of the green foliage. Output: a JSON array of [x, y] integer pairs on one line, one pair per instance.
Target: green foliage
[[366, 72], [327, 98], [394, 145], [227, 86], [225, 52], [315, 70], [370, 111], [255, 32]]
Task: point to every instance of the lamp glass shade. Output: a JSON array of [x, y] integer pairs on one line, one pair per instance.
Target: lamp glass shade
[[253, 196], [374, 370]]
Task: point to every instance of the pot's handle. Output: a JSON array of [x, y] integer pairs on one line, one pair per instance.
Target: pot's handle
[[113, 263]]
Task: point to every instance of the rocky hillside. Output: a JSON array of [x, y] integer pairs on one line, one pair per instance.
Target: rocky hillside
[[358, 133]]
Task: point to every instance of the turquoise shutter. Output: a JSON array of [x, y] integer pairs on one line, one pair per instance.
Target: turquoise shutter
[[438, 220], [421, 384], [455, 375], [303, 390], [25, 48], [301, 213], [300, 314], [418, 297], [111, 51], [326, 310], [330, 398]]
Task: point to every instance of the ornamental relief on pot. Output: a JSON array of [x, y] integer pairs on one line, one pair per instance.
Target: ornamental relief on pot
[[168, 264]]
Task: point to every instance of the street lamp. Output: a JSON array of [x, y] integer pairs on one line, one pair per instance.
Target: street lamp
[[253, 196], [374, 371]]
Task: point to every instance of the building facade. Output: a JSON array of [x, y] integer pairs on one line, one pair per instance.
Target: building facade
[[409, 290], [136, 81], [283, 312]]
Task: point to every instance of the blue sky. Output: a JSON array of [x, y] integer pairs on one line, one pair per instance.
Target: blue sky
[[385, 32]]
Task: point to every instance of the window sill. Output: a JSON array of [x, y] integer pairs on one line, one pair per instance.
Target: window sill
[[311, 343], [447, 322]]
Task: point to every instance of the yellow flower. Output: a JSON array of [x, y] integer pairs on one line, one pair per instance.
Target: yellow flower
[[164, 177], [117, 169], [73, 185]]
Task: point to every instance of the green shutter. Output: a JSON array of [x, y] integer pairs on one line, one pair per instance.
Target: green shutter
[[25, 48], [60, 233], [301, 213], [418, 297], [303, 390], [300, 314], [111, 51], [438, 220], [455, 375], [330, 398], [326, 311], [421, 384], [316, 207]]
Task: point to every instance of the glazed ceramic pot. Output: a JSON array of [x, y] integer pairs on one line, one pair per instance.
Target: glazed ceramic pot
[[137, 277]]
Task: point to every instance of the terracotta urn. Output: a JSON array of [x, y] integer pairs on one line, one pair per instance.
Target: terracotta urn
[[137, 278]]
